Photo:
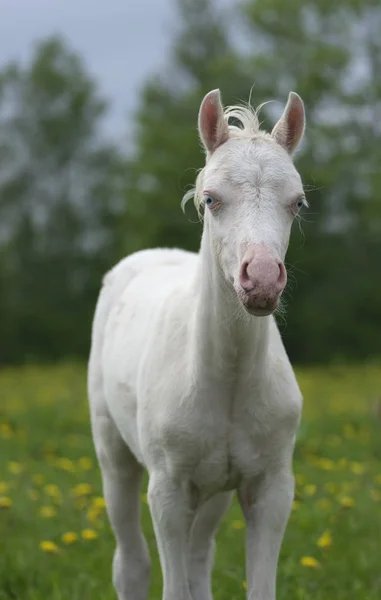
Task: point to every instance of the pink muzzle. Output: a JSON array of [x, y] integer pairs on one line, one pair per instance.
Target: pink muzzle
[[262, 279]]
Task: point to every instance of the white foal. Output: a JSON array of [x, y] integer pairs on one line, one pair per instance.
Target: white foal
[[188, 376]]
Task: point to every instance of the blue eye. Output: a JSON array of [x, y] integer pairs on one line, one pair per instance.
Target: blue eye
[[299, 204], [210, 201]]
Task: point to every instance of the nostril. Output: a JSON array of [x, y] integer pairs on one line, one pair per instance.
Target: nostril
[[282, 279], [244, 278]]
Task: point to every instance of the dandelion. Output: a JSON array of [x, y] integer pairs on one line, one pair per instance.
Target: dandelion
[[47, 512], [309, 561], [92, 515], [5, 502], [326, 464], [145, 498], [295, 505], [48, 546], [346, 501], [238, 524], [99, 502], [244, 585], [310, 489], [357, 468], [65, 464], [4, 487], [15, 467], [69, 537], [82, 489], [325, 541], [5, 431], [85, 463], [89, 534], [51, 489]]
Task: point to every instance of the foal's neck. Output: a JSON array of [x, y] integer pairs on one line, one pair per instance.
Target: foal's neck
[[226, 337]]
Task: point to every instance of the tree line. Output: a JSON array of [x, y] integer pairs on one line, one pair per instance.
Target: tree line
[[72, 203]]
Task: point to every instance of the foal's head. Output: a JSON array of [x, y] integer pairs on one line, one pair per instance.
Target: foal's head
[[251, 192]]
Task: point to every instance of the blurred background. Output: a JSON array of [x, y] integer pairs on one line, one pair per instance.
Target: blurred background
[[98, 143]]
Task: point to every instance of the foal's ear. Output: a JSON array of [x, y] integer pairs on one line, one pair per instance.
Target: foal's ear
[[289, 130], [212, 126]]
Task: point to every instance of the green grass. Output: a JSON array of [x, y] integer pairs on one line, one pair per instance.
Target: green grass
[[46, 454]]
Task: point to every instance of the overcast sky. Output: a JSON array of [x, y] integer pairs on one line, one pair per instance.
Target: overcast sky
[[121, 41]]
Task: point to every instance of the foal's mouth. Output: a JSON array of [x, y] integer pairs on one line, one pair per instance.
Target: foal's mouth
[[259, 307]]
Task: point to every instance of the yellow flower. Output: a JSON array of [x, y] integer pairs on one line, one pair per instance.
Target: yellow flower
[[48, 546], [357, 468], [93, 514], [69, 537], [346, 501], [85, 463], [310, 489], [4, 487], [238, 525], [309, 561], [51, 489], [47, 512], [99, 502], [244, 585], [145, 498], [89, 534], [15, 467], [65, 464], [326, 464], [295, 505], [5, 431], [82, 489], [5, 502], [38, 479], [325, 541]]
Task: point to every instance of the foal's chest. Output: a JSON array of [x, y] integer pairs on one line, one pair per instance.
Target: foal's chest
[[225, 441]]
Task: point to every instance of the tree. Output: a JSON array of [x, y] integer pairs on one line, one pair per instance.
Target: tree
[[59, 199]]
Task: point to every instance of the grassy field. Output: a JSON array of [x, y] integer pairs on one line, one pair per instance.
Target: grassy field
[[55, 541]]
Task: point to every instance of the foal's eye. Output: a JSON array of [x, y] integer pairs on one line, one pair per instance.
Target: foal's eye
[[300, 202], [210, 202]]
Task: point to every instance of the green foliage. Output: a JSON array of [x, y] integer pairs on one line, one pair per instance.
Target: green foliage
[[58, 204], [50, 485]]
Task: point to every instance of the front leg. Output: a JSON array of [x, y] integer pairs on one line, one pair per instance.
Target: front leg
[[172, 504], [266, 504]]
